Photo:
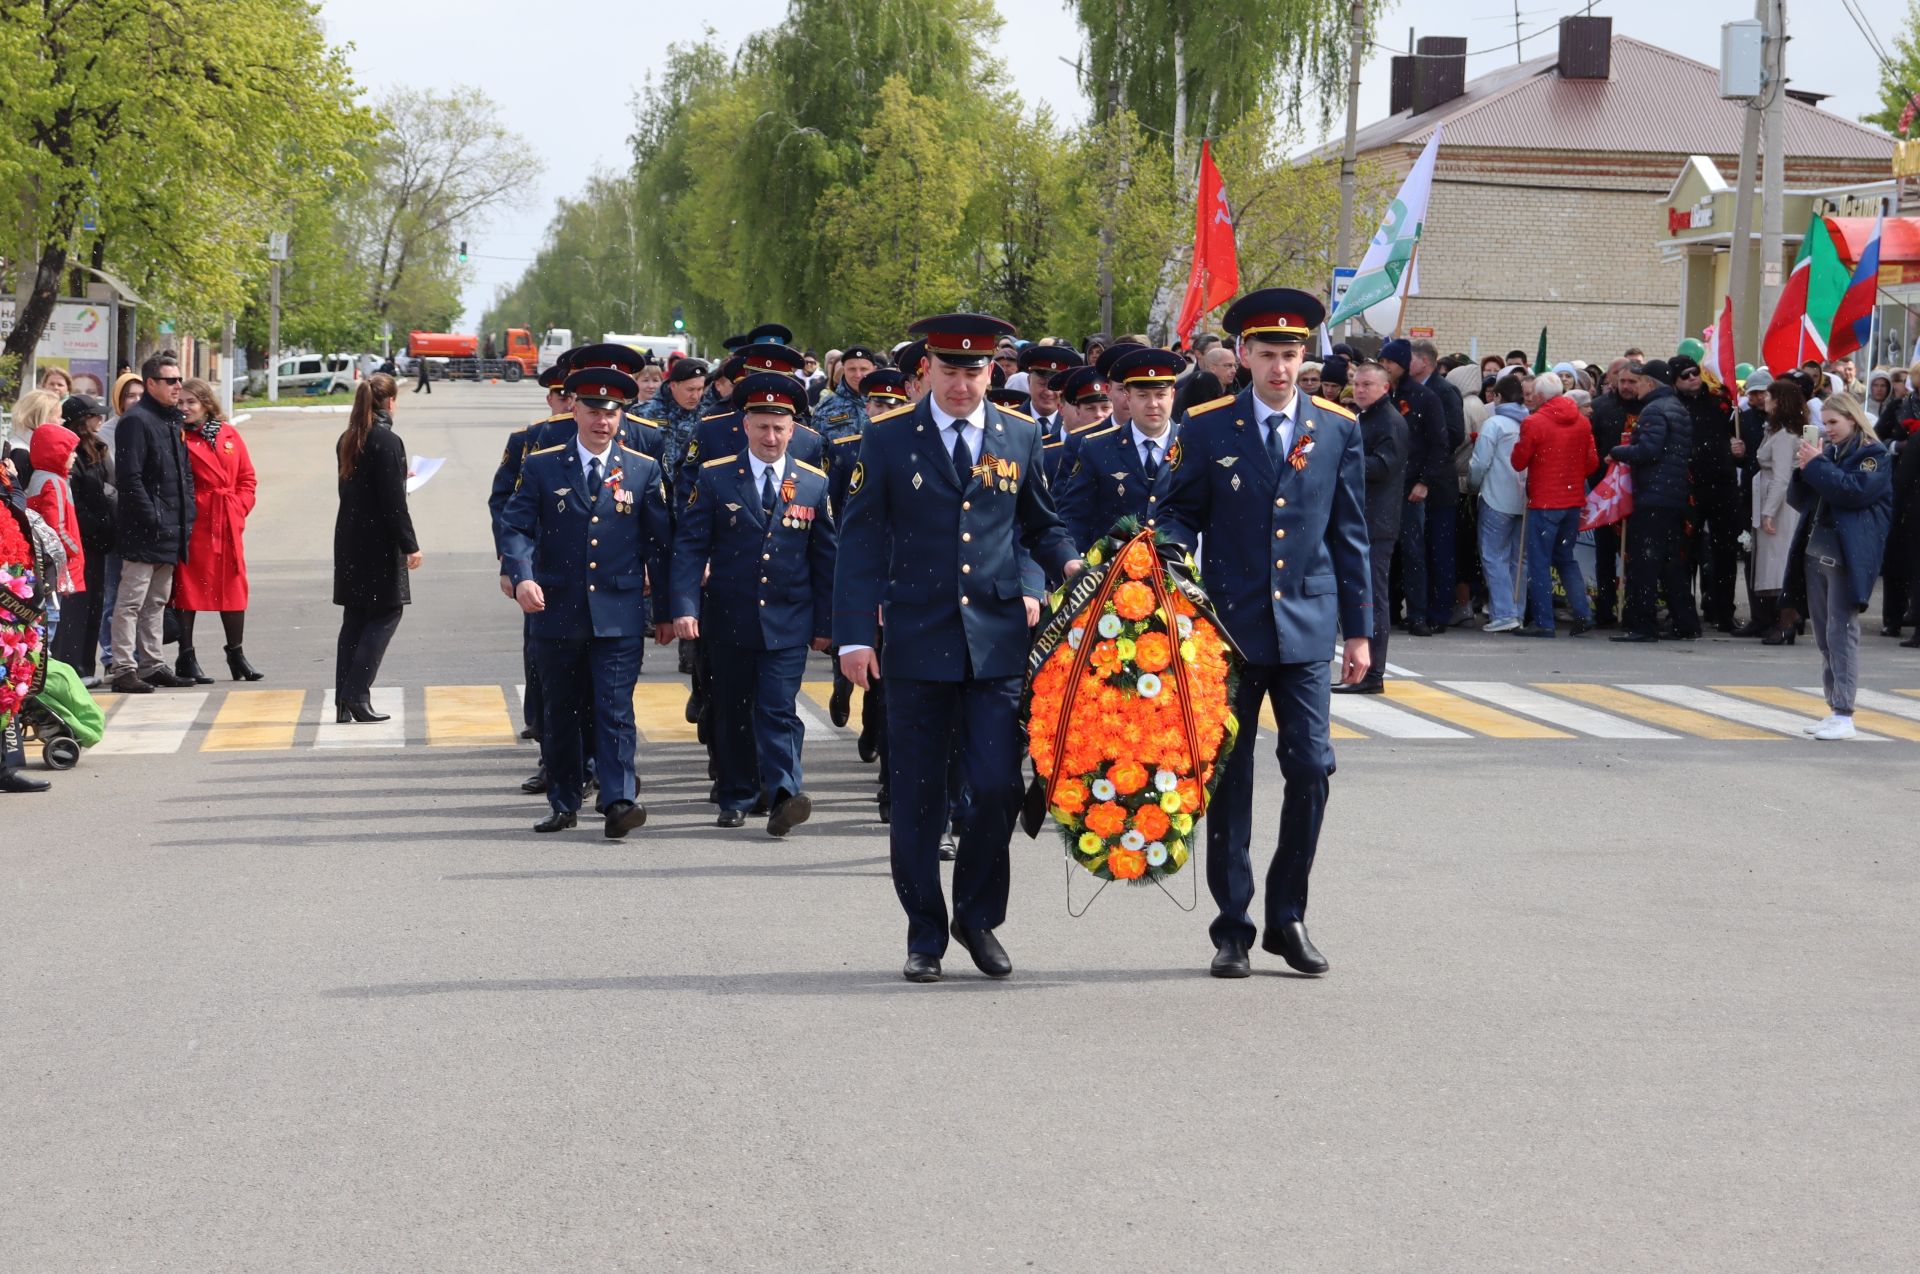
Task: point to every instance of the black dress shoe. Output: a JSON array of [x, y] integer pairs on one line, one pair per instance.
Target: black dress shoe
[[695, 706], [1419, 628], [1532, 630], [921, 968], [537, 784], [1889, 630], [949, 848], [529, 733], [163, 677], [1365, 686], [623, 817], [760, 806], [867, 746], [1631, 636], [342, 712], [788, 813], [1291, 943], [840, 703], [988, 955], [128, 684], [731, 818], [16, 781], [365, 715], [1230, 961], [558, 821], [1581, 627], [1913, 642]]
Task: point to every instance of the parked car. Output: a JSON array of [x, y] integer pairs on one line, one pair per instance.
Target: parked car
[[310, 374]]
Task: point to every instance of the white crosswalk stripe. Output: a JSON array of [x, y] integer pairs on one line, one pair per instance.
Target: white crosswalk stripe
[[1554, 711], [148, 725], [1384, 719], [1879, 701], [376, 734], [1732, 709]]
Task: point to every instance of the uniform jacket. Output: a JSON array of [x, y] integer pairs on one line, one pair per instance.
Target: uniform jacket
[[373, 532], [1661, 451], [1857, 485], [1284, 555], [507, 476], [725, 434], [1383, 439], [594, 559], [214, 576], [676, 423], [771, 585], [945, 562], [156, 485], [1107, 483], [839, 413]]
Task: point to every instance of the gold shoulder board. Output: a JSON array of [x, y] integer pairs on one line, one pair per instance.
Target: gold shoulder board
[[845, 439], [801, 464], [1017, 414], [716, 415], [1221, 401], [889, 415], [720, 460], [1336, 408], [547, 451]]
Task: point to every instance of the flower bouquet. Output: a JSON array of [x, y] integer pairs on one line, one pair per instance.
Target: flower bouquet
[[1129, 708], [22, 645]]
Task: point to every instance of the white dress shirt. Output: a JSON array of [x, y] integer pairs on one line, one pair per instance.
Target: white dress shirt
[[586, 457], [1160, 444], [1268, 419], [975, 427], [757, 467]]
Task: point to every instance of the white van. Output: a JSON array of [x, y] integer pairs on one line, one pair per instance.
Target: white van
[[553, 343], [312, 374], [660, 345]]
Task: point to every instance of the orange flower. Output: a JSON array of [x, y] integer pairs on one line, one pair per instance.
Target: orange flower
[[1181, 606], [1133, 600], [1070, 795], [1138, 561], [1127, 864], [1106, 820], [1189, 795], [1128, 777], [1106, 657], [1150, 821], [1152, 652]]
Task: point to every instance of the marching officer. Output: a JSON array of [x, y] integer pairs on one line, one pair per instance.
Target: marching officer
[[585, 539], [635, 433], [723, 434], [1007, 398], [677, 408], [842, 415], [941, 502], [1042, 363], [758, 515], [1123, 473], [1084, 407], [1271, 486]]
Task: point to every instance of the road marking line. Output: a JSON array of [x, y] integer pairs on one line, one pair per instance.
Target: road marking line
[[151, 724], [822, 691], [660, 710], [1395, 670], [1875, 699], [1685, 721], [1465, 712], [372, 734], [1786, 723], [1375, 717], [1814, 708], [255, 721], [468, 717], [1570, 716], [1913, 694], [1335, 729], [1392, 669]]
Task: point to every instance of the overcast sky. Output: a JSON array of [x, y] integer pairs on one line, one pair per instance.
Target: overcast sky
[[566, 86]]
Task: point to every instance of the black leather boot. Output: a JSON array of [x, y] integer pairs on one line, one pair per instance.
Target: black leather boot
[[242, 670], [187, 668]]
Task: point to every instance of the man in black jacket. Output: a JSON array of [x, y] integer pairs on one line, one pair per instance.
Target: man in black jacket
[[1443, 498], [1660, 453], [1383, 436], [1613, 415], [1716, 510], [1429, 472], [154, 521]]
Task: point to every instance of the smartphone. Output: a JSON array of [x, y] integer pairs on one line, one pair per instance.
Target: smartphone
[[1814, 434]]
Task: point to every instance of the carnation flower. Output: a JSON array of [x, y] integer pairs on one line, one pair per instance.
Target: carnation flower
[[1156, 854], [1102, 790], [1148, 685], [1109, 626], [1132, 840], [1165, 780]]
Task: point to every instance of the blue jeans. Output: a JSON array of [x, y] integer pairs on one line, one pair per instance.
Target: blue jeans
[[1550, 537], [1500, 559], [107, 595]]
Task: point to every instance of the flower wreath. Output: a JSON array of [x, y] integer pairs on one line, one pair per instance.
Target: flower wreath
[[22, 640]]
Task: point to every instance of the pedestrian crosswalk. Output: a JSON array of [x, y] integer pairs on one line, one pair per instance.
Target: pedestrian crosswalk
[[1412, 711]]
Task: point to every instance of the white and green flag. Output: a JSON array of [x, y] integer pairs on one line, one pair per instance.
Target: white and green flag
[[1387, 271]]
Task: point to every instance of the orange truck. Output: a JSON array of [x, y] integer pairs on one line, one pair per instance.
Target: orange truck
[[457, 355]]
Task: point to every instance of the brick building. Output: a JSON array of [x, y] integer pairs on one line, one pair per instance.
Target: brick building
[[1552, 182]]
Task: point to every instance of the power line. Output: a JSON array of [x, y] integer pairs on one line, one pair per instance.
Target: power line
[[1497, 48]]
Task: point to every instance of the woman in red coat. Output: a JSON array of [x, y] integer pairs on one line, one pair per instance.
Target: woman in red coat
[[214, 574]]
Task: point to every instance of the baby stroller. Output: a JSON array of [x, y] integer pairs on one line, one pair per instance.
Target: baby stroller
[[62, 717]]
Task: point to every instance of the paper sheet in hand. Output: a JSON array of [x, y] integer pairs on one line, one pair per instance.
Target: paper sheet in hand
[[423, 469]]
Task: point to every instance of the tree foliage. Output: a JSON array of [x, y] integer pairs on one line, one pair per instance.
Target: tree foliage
[[1900, 77]]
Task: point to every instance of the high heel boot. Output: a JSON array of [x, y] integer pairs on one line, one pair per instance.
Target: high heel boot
[[1766, 613], [237, 664], [187, 668], [1785, 630]]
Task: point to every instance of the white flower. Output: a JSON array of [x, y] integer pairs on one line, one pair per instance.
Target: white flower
[[1132, 840], [1186, 627], [1148, 685], [1156, 854], [1073, 638], [1109, 626], [1102, 790], [1165, 780]]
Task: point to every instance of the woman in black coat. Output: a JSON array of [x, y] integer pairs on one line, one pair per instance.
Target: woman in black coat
[[373, 546]]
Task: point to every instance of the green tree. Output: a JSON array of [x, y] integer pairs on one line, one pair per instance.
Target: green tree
[[1900, 78]]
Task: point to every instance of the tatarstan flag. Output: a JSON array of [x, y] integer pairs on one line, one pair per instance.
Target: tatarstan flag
[[1804, 317]]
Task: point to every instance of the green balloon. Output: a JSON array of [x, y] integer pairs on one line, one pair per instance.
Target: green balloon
[[1692, 348], [1741, 371]]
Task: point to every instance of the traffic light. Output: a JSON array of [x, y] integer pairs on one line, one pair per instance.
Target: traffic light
[[679, 319], [463, 252]]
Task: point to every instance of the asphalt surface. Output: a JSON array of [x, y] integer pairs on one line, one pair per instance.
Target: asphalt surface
[[1595, 1003]]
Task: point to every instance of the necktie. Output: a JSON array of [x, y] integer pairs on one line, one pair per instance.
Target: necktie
[[1152, 461], [962, 457], [766, 491], [1276, 444], [593, 478]]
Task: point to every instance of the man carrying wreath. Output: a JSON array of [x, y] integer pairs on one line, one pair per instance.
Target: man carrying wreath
[[1271, 485]]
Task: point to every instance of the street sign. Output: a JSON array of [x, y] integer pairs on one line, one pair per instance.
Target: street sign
[[1419, 333], [277, 246], [1342, 280]]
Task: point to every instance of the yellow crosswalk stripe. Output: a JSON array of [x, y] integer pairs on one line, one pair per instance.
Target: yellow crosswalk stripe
[[821, 691], [1339, 731], [1460, 711], [255, 721], [660, 710], [1911, 694], [1814, 708], [469, 717], [1665, 715]]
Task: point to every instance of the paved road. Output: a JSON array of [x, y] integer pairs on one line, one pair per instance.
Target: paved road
[[1623, 979]]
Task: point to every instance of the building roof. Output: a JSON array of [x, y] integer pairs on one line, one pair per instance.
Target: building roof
[[1656, 102]]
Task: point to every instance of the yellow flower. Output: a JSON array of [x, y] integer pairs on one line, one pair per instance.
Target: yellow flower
[[1125, 648], [1089, 843], [1093, 557], [1177, 851], [1183, 823], [1170, 802], [1188, 653]]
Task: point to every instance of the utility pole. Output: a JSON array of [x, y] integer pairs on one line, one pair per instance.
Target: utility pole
[[226, 361], [276, 253], [1746, 331], [1349, 155], [1774, 182]]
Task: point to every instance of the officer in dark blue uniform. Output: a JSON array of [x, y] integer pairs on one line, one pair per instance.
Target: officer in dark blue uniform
[[723, 433], [840, 415], [585, 538], [1117, 404], [1271, 485], [636, 433], [1123, 473], [1084, 408], [759, 516], [1012, 400], [942, 502], [1042, 363]]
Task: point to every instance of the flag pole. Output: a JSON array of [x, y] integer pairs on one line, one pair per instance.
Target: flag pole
[[1406, 295]]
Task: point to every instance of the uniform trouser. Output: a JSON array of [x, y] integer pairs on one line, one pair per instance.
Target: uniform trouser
[[139, 614], [756, 729], [1300, 695], [1836, 630], [1413, 559], [1606, 570], [1380, 558], [924, 720], [362, 644], [579, 676], [1722, 521], [80, 619], [1896, 579], [531, 707], [1442, 572], [1656, 567]]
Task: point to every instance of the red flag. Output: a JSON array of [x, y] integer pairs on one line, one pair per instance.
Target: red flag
[[1214, 258], [1720, 349]]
